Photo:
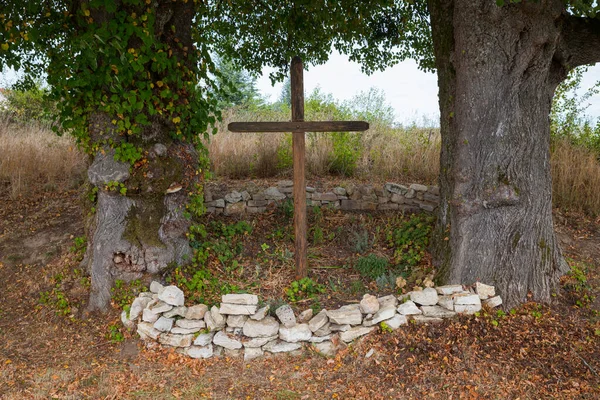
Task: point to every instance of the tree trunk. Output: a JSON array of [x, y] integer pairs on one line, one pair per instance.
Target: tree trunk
[[497, 74]]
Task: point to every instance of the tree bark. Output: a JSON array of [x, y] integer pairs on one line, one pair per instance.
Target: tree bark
[[498, 68]]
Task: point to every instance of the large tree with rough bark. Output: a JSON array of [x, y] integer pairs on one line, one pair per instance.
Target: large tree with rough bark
[[133, 77]]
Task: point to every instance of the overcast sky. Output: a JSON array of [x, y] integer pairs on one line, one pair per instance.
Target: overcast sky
[[411, 92]]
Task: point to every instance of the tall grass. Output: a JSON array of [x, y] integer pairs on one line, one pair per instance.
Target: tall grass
[[33, 157]]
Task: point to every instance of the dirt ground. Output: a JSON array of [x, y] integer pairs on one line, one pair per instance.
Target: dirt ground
[[53, 350]]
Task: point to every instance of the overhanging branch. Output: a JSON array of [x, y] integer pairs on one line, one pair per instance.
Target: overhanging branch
[[580, 41]]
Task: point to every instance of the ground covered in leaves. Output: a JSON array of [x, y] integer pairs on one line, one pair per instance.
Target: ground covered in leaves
[[49, 348]]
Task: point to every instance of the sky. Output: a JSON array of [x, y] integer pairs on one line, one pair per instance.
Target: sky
[[411, 92]]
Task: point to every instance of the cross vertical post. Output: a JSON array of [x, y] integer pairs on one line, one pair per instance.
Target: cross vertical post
[[298, 152]]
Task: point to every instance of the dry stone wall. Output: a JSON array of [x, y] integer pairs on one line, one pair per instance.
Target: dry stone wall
[[350, 197], [241, 325]]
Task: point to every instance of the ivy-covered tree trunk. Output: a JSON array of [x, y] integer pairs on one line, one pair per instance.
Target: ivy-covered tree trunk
[[498, 68], [142, 126]]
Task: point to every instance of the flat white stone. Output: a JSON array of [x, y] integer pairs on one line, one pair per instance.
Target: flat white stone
[[278, 346], [387, 300], [155, 287], [128, 323], [484, 291], [384, 313], [319, 339], [266, 327], [196, 312], [147, 330], [217, 319], [260, 313], [146, 294], [297, 333], [467, 308], [236, 321], [159, 307], [286, 315], [396, 321], [138, 306], [324, 330], [421, 319], [354, 333], [204, 339], [447, 290], [446, 302], [493, 301], [437, 312], [149, 316], [176, 311], [237, 309], [318, 321], [409, 308], [222, 339], [305, 316], [190, 323], [369, 304], [171, 295], [251, 353], [258, 341], [243, 299], [425, 297], [164, 324], [184, 331], [466, 299], [200, 351], [326, 348], [345, 316], [176, 340], [340, 327]]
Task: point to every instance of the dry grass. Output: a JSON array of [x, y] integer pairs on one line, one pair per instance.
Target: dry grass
[[400, 154], [575, 178], [33, 157]]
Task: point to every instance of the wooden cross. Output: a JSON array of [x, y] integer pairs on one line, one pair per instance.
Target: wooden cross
[[299, 127]]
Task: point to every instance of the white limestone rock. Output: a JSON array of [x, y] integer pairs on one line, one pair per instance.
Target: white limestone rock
[[251, 353], [369, 304], [467, 308], [484, 291], [156, 287], [138, 306], [171, 295], [319, 339], [176, 311], [196, 312], [237, 309], [467, 298], [217, 317], [190, 323], [305, 316], [149, 316], [421, 319], [243, 299], [396, 321], [447, 290], [200, 351], [127, 323], [318, 321], [340, 328], [355, 333], [266, 327], [446, 302], [383, 314], [327, 348], [260, 313], [146, 330], [224, 340], [351, 316], [204, 339], [437, 312], [493, 302], [159, 307], [425, 297], [277, 346], [236, 321], [176, 340], [286, 315], [297, 333], [184, 331], [409, 308], [258, 341], [164, 324], [387, 300], [324, 330]]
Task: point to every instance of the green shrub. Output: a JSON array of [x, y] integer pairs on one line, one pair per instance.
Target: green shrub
[[303, 289], [411, 239], [25, 106], [372, 266]]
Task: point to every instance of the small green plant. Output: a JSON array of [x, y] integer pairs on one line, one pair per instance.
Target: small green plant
[[386, 281], [123, 293], [577, 285], [317, 235], [411, 240], [303, 289], [57, 299], [127, 152], [79, 246], [115, 186], [385, 328], [360, 240], [114, 334], [286, 208], [372, 266]]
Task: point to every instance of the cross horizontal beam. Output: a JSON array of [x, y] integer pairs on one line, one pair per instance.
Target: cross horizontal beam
[[299, 126]]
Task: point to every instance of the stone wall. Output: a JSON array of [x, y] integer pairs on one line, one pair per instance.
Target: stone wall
[[240, 325], [350, 197]]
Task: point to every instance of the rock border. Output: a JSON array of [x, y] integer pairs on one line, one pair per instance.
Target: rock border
[[239, 325], [351, 197]]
